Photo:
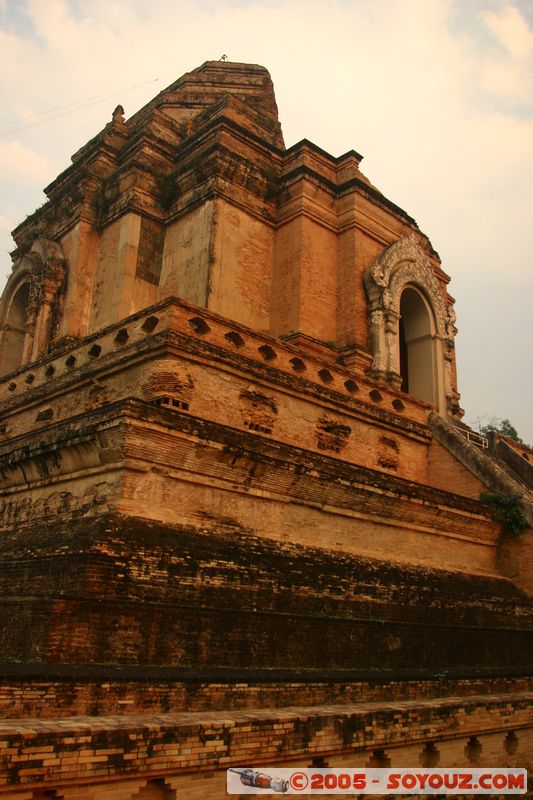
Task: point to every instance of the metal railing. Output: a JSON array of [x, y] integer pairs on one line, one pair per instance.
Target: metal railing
[[473, 437]]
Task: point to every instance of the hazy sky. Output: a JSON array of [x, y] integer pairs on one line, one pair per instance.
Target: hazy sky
[[437, 95]]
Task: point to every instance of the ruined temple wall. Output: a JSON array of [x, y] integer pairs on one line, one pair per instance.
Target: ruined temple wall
[[244, 396], [515, 560], [446, 472], [336, 530], [187, 256], [257, 384], [286, 282], [104, 279], [200, 607], [192, 475], [319, 281], [80, 246], [121, 466], [241, 257], [124, 590], [94, 492], [367, 230], [305, 264], [118, 289], [244, 403]]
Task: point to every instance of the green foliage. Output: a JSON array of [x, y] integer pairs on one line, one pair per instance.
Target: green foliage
[[503, 426], [507, 510]]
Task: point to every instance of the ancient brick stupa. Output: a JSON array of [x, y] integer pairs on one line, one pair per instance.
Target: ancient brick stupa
[[241, 515]]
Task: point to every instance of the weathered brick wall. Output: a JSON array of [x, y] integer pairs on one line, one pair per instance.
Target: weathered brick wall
[[117, 456], [30, 691], [50, 753], [113, 589], [515, 559], [77, 380], [446, 472]]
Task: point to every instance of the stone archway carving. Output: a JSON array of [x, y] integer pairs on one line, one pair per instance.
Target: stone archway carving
[[400, 265], [43, 269]]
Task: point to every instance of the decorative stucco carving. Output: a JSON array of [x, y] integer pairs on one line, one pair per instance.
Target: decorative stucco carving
[[44, 264], [399, 264], [402, 264], [332, 434], [258, 410], [167, 377], [43, 269], [93, 499], [388, 453], [450, 322]]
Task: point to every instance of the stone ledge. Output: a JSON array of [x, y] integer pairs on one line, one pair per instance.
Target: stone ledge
[[50, 751], [52, 690]]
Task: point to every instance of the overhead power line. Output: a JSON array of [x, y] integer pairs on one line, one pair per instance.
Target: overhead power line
[[69, 108]]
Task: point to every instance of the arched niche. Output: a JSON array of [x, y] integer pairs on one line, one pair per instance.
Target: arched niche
[[411, 324], [31, 304], [418, 346], [14, 333]]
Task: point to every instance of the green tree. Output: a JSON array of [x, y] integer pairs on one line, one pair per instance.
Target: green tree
[[503, 426]]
